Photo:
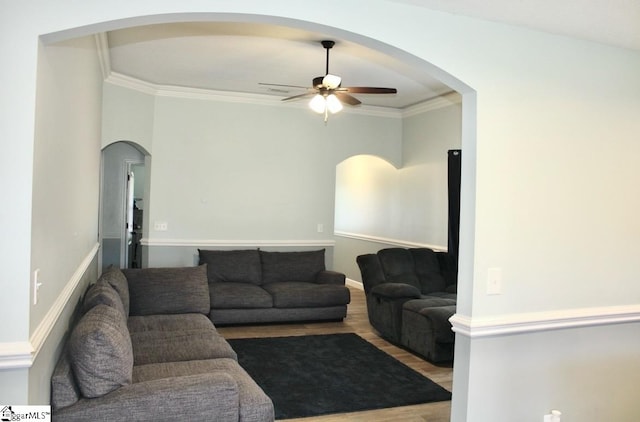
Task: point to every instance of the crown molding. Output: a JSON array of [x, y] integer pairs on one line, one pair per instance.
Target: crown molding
[[102, 46], [441, 101], [524, 323], [172, 91], [125, 81]]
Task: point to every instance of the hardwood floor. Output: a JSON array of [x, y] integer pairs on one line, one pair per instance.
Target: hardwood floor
[[357, 322]]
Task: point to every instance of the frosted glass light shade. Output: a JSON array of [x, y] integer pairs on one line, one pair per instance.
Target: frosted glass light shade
[[331, 81], [318, 104], [333, 103]]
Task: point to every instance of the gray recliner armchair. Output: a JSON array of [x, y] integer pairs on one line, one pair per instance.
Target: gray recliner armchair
[[411, 294]]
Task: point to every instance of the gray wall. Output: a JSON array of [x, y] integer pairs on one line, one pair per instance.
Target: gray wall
[[64, 227], [243, 174], [379, 205]]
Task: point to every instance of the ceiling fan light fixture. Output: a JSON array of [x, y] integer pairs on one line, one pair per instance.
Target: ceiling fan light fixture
[[318, 104], [333, 103], [328, 94], [331, 81]]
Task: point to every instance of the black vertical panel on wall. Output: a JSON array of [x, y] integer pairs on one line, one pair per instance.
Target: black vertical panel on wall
[[454, 165]]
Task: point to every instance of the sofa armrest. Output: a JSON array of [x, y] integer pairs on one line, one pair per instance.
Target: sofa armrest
[[209, 396], [395, 291], [330, 277]]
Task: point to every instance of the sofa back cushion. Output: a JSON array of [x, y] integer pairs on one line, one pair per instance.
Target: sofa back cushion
[[100, 351], [371, 271], [398, 266], [232, 266], [427, 267], [118, 281], [449, 269], [101, 293], [291, 266], [179, 290]]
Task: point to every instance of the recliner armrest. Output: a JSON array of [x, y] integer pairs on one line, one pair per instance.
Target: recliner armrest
[[395, 291], [330, 277]]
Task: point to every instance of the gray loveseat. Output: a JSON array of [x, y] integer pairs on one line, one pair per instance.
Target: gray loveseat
[[256, 286], [144, 349], [411, 294]]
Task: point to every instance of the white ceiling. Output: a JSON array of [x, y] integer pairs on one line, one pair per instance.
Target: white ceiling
[[237, 57]]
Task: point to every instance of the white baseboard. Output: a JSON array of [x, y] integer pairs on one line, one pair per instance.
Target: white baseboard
[[355, 284]]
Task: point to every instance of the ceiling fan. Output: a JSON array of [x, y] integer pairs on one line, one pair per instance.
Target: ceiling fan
[[327, 92]]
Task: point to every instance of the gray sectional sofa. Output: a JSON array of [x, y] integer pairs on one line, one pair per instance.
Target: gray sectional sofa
[[256, 286], [144, 349]]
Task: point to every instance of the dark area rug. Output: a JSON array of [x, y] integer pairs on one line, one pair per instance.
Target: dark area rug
[[322, 374]]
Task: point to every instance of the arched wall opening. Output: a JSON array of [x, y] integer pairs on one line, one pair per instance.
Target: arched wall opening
[[467, 95], [541, 98], [468, 100], [124, 188]]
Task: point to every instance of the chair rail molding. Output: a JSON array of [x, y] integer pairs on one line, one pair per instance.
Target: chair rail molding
[[388, 241], [502, 325], [17, 355], [236, 243]]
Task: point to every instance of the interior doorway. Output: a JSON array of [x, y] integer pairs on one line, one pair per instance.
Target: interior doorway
[[124, 180]]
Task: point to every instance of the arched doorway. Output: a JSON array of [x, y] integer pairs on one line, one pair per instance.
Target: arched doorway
[[123, 187], [469, 98]]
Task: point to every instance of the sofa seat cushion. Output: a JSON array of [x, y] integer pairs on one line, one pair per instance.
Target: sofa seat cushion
[[255, 405], [100, 351], [238, 295], [176, 322], [441, 295], [185, 345], [168, 290], [432, 313], [232, 266], [64, 389], [417, 305], [298, 294], [291, 266]]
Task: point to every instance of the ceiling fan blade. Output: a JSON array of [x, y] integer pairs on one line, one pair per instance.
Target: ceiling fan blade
[[331, 81], [368, 90], [347, 99], [296, 97], [288, 86]]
